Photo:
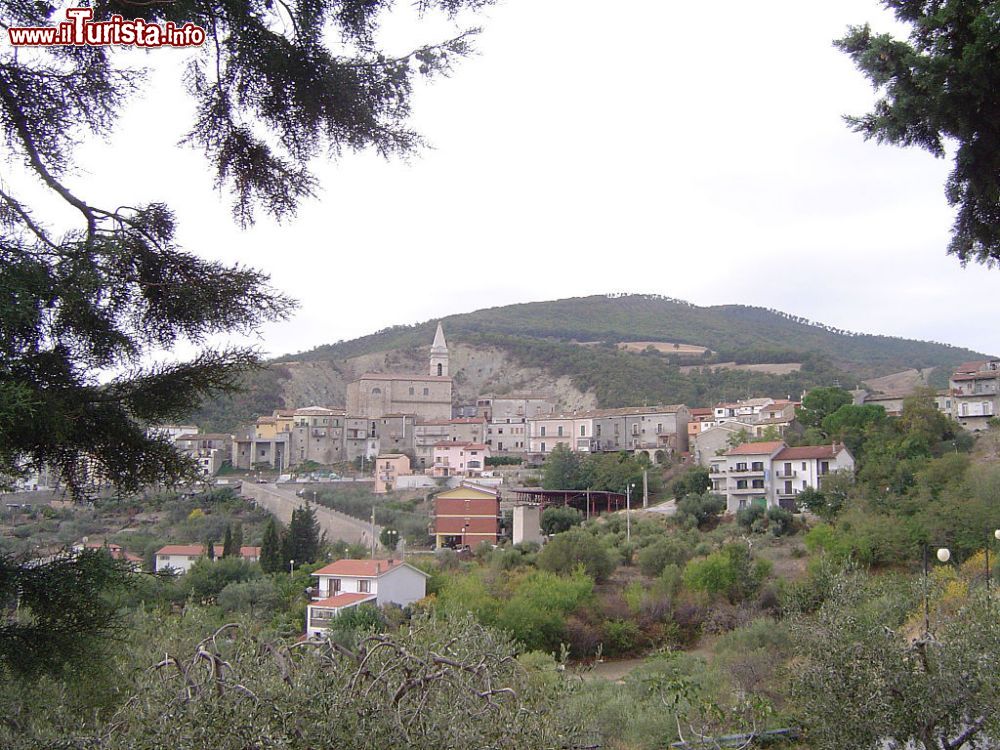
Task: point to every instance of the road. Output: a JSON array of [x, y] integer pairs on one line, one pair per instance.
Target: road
[[668, 508], [280, 501]]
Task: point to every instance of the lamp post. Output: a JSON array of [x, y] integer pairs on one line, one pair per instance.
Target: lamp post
[[291, 567], [996, 535], [628, 512], [464, 530], [944, 555]]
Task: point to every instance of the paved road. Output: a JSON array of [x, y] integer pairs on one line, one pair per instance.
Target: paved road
[[281, 501]]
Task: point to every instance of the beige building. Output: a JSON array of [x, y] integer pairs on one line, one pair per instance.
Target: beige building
[[460, 459], [975, 390], [388, 467], [209, 450], [507, 418], [318, 435], [655, 430], [428, 396]]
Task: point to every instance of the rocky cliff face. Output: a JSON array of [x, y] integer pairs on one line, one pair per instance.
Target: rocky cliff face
[[476, 371]]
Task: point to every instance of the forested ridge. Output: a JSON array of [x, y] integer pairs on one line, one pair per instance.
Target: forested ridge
[[550, 336]]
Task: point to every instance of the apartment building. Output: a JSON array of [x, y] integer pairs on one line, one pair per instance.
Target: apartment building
[[507, 418], [209, 450], [772, 473], [428, 433], [466, 516], [975, 390], [655, 430], [453, 459]]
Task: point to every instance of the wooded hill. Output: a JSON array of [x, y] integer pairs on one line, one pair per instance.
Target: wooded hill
[[577, 338]]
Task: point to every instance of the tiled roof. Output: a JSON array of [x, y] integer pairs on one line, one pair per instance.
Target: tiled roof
[[205, 436], [358, 568], [809, 451], [462, 420], [756, 449], [628, 411], [342, 600], [315, 411]]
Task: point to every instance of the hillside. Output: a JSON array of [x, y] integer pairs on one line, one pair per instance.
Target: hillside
[[571, 348]]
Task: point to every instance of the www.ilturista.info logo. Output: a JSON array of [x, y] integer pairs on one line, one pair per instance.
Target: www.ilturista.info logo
[[79, 31]]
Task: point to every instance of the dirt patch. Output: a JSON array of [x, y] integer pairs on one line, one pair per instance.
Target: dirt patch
[[906, 381], [775, 368], [664, 347]]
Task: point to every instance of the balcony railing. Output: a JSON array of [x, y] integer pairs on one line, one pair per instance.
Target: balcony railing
[[749, 491], [782, 474]]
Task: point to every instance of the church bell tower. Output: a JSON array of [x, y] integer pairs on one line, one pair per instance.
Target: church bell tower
[[439, 354]]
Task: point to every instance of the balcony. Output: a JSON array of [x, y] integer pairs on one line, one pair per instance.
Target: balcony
[[782, 474], [748, 491], [746, 472]]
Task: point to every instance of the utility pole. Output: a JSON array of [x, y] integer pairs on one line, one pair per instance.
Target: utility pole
[[628, 511], [645, 488], [373, 532]]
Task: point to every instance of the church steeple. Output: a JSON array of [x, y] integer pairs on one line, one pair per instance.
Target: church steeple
[[439, 353]]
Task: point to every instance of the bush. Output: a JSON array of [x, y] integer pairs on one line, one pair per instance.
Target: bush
[[780, 521], [565, 552], [207, 578], [621, 637], [668, 551], [730, 572], [536, 612], [557, 519], [255, 597], [703, 508], [749, 515]]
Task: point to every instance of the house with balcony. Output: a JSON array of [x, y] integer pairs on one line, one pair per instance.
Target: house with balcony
[[742, 474], [317, 435], [350, 583], [460, 459], [975, 394], [771, 473], [208, 450], [651, 429], [429, 432], [388, 467], [805, 466]]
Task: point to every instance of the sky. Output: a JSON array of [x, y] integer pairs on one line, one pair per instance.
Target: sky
[[692, 150]]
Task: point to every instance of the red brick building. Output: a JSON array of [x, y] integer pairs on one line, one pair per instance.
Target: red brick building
[[466, 516]]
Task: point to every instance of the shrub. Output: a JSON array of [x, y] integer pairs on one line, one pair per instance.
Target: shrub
[[750, 515], [535, 614], [704, 509], [780, 521], [668, 551], [730, 572], [255, 597], [564, 553], [557, 519], [207, 578], [621, 637]]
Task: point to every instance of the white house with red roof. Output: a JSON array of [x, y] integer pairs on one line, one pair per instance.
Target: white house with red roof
[[772, 473], [180, 557], [348, 583]]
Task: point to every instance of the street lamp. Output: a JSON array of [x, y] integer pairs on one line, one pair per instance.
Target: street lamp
[[464, 530], [944, 555], [291, 567], [628, 512]]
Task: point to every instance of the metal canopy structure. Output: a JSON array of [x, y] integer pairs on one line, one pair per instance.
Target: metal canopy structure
[[591, 502]]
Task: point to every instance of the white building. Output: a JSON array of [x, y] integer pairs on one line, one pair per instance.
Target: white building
[[348, 583], [180, 557], [772, 473]]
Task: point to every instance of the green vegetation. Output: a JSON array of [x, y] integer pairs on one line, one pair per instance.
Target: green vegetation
[[938, 89], [404, 516]]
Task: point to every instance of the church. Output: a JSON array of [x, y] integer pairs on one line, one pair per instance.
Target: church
[[375, 395]]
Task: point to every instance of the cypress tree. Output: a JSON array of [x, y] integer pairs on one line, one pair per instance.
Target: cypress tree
[[227, 542], [303, 535], [237, 538], [271, 553], [210, 548]]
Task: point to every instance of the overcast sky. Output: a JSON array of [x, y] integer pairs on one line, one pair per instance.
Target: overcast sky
[[693, 150]]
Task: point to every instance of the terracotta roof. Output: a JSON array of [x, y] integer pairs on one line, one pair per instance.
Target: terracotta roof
[[985, 375], [809, 451], [359, 568], [972, 366], [628, 411], [342, 600], [756, 449], [701, 411], [205, 436], [390, 455]]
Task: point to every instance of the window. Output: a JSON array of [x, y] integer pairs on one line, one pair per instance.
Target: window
[[334, 585], [758, 484], [757, 466], [440, 369], [412, 390], [542, 432], [788, 469], [427, 391], [659, 429], [635, 429], [364, 586], [376, 391], [543, 447], [597, 431], [583, 431], [559, 431], [803, 466], [741, 466], [741, 484]]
